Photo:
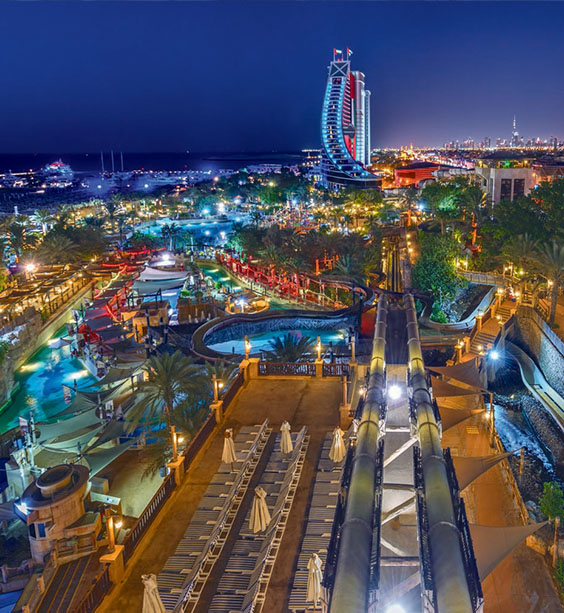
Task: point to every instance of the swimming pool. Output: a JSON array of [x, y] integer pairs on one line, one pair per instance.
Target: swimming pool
[[40, 381], [261, 342]]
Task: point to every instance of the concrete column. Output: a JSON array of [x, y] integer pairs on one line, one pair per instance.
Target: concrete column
[[115, 562], [217, 408], [319, 368], [177, 467], [479, 321], [466, 340], [253, 368]]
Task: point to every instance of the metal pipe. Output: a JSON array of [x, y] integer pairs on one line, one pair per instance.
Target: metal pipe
[[447, 560], [351, 587]]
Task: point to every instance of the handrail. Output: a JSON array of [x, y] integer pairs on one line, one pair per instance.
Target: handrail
[[353, 575], [452, 589]]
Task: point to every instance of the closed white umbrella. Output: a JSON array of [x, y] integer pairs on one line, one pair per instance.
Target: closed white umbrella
[[286, 441], [314, 578], [338, 450], [229, 456], [260, 516], [152, 602]]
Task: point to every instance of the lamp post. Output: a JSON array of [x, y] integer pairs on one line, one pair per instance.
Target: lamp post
[[111, 526], [318, 347], [175, 440], [247, 347], [217, 385]]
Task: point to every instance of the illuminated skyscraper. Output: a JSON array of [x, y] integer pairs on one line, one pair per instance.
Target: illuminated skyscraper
[[345, 126]]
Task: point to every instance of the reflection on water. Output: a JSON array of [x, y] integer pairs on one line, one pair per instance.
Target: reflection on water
[[262, 342], [40, 383]]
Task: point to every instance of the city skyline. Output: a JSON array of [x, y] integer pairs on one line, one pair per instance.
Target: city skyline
[[161, 85]]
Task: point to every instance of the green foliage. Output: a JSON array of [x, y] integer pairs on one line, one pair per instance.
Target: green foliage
[[434, 273], [290, 348], [559, 575], [551, 502], [4, 349]]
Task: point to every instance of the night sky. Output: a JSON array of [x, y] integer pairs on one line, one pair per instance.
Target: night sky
[[230, 76]]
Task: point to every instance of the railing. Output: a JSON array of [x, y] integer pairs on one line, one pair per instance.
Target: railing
[[148, 515], [470, 564], [36, 587], [335, 370], [199, 439], [96, 594], [485, 278], [423, 531], [376, 522], [288, 369], [233, 388]]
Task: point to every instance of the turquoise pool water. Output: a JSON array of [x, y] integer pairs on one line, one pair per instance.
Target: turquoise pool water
[[40, 384], [261, 342]]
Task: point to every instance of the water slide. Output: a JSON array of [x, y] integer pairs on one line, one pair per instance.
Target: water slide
[[537, 384]]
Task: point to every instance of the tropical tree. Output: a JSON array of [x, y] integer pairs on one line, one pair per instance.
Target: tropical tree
[[290, 348], [18, 239], [112, 207], [58, 249], [550, 261], [169, 231], [43, 217], [551, 504], [224, 372], [169, 397]]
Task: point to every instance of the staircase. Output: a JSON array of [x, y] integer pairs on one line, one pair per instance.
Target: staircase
[[481, 341]]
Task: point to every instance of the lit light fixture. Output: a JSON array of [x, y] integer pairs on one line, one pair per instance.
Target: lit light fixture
[[494, 355], [395, 608], [394, 392], [30, 267]]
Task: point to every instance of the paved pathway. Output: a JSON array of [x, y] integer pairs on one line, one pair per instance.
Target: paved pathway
[[313, 403]]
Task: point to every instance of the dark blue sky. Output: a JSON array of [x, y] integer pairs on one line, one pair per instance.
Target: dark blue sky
[[229, 76]]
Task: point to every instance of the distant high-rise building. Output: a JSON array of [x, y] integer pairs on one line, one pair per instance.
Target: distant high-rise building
[[345, 126], [515, 140]]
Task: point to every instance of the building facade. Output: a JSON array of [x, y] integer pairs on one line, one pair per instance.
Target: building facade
[[345, 127], [504, 176]]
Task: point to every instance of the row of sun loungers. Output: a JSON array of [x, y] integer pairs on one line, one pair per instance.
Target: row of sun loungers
[[186, 572], [243, 585], [319, 524]]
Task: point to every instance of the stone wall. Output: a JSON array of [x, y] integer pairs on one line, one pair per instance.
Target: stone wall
[[237, 330], [540, 341]]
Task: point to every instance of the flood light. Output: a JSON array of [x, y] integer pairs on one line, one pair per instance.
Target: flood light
[[394, 392]]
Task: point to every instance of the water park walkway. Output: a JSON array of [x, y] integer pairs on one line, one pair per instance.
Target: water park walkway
[[521, 583], [303, 402]]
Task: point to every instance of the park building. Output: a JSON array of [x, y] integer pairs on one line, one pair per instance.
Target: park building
[[345, 127], [505, 175]]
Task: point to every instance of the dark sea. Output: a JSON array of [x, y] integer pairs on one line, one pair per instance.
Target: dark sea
[[91, 162]]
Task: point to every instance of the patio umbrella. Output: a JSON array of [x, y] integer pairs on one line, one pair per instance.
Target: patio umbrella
[[337, 451], [260, 516], [229, 456], [286, 441], [152, 602], [314, 578]]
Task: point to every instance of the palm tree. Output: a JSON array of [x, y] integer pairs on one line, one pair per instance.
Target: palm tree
[[44, 216], [169, 231], [290, 348], [224, 372], [550, 259], [18, 239], [350, 266], [112, 207], [170, 379], [58, 249]]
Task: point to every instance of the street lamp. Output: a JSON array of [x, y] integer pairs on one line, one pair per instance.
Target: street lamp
[[318, 347], [247, 347], [111, 527], [217, 385]]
